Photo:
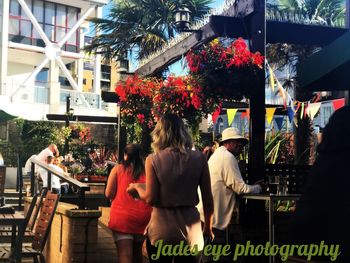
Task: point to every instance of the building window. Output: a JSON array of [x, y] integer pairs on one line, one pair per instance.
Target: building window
[[42, 77], [64, 83], [106, 72], [55, 19], [105, 85]]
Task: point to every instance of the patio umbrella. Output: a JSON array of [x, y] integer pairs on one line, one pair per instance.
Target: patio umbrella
[[4, 116]]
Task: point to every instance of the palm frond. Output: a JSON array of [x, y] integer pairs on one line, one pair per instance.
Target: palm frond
[[144, 24]]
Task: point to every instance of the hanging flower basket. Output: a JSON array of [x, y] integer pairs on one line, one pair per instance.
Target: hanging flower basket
[[226, 72]]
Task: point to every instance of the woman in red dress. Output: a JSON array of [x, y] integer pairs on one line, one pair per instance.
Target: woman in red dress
[[129, 217]]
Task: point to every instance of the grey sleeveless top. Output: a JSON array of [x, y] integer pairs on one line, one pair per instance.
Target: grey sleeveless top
[[174, 217]]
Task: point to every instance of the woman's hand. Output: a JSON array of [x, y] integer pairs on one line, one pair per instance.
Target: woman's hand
[[132, 190], [135, 189]]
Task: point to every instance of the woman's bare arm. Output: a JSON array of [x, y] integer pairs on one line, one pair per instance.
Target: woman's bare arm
[[207, 199], [111, 188]]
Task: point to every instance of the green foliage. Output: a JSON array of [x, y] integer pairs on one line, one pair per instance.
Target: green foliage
[[278, 148], [133, 131], [142, 25], [37, 135], [9, 153]]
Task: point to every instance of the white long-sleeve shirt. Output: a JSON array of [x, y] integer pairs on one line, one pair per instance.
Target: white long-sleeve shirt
[[43, 154], [226, 182], [55, 181]]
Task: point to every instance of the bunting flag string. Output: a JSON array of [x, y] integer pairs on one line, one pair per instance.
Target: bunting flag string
[[307, 108], [231, 113], [269, 114]]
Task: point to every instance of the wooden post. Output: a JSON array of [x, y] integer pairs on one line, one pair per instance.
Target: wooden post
[[257, 101]]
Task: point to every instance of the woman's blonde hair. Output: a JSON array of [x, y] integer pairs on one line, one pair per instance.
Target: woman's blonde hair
[[171, 131]]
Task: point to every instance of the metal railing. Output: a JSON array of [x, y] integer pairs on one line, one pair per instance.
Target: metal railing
[[93, 99], [39, 93], [82, 187]]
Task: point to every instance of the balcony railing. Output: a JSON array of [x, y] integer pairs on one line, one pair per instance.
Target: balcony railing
[[93, 99], [39, 93]]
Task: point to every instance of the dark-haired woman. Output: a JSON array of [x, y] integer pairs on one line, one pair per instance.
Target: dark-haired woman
[[128, 217]]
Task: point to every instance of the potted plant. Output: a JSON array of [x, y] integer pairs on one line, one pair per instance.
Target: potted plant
[[225, 70]]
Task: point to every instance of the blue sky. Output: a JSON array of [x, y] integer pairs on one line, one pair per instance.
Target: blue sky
[[178, 67]]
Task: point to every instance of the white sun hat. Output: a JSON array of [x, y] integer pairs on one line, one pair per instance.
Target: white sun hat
[[232, 134]]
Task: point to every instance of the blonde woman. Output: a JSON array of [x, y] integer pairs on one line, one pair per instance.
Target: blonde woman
[[173, 174], [58, 161]]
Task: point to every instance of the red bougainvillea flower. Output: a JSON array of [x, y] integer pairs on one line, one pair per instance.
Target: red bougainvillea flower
[[140, 118]]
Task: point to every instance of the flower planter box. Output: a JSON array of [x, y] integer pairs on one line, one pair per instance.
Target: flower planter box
[[90, 178]]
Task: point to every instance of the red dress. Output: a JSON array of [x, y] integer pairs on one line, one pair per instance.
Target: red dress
[[127, 214]]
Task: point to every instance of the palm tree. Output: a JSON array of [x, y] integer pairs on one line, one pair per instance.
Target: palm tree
[[142, 26], [325, 12]]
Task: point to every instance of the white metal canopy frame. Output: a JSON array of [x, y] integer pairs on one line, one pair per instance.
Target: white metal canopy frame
[[53, 51]]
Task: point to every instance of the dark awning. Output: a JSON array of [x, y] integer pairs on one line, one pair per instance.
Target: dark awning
[[4, 116], [327, 70]]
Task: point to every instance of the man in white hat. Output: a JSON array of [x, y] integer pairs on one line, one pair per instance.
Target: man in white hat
[[226, 179]]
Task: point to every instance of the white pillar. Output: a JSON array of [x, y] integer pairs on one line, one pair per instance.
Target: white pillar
[[80, 62], [97, 69], [54, 88], [4, 25]]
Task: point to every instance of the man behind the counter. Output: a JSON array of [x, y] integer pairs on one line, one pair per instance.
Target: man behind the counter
[[227, 181]]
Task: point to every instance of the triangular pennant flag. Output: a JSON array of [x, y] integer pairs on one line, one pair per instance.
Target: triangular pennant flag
[[338, 103], [231, 115], [312, 109], [269, 114], [272, 79], [282, 92], [279, 121], [296, 123], [290, 113], [216, 114], [245, 114], [306, 110], [302, 110], [296, 107]]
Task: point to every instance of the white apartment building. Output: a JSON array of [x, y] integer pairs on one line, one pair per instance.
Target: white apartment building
[[41, 61]]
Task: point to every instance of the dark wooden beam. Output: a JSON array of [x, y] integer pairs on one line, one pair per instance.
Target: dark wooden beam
[[257, 27], [233, 27], [84, 118], [175, 53]]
